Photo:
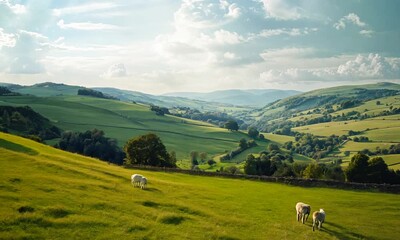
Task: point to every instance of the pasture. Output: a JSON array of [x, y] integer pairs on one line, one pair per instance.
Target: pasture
[[48, 193], [122, 121]]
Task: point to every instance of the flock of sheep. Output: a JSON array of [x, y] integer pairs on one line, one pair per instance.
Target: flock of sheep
[[303, 211]]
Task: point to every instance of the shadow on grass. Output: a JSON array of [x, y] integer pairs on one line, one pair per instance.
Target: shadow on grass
[[174, 207], [173, 220], [342, 232]]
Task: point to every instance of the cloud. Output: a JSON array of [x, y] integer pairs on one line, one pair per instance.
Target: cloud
[[370, 67], [230, 56], [225, 37], [85, 8], [234, 11], [115, 71], [15, 8], [367, 33], [350, 18], [283, 10], [267, 33], [7, 39], [87, 26], [274, 54]]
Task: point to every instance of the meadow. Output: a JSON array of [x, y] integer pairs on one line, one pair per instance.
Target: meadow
[[48, 193], [122, 121]]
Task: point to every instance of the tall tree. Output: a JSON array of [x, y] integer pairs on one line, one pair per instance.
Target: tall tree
[[148, 150]]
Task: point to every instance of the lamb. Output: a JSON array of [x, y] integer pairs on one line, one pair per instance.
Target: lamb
[[318, 219], [143, 183], [302, 210], [135, 179]]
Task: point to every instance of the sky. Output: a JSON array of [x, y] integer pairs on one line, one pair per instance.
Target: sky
[[160, 46]]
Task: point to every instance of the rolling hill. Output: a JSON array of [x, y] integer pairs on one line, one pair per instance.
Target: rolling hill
[[250, 98], [50, 194], [122, 121]]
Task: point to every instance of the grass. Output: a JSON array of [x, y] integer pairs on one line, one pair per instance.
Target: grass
[[75, 197], [123, 121]]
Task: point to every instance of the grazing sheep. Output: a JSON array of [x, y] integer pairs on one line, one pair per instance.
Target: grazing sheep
[[302, 210], [135, 179], [318, 218], [143, 183]]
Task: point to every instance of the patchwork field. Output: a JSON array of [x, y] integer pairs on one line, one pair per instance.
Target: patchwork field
[[47, 193]]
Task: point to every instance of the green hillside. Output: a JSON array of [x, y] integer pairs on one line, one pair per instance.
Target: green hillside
[[123, 121], [50, 194]]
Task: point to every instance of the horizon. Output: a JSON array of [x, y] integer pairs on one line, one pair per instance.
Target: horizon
[[200, 45]]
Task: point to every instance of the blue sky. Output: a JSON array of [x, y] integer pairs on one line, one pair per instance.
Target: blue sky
[[159, 46]]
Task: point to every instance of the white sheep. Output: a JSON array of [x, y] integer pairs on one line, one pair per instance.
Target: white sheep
[[143, 183], [318, 218], [302, 210], [135, 179]]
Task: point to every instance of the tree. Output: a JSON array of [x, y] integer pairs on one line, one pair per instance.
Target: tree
[[231, 125], [378, 170], [243, 144], [193, 158], [203, 156], [211, 162], [253, 132], [148, 150], [273, 147], [262, 137], [313, 170], [357, 169]]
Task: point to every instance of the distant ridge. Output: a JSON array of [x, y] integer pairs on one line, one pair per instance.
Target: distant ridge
[[250, 97]]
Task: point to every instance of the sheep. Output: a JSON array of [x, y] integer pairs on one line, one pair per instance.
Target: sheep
[[135, 179], [143, 183], [318, 219], [302, 210]]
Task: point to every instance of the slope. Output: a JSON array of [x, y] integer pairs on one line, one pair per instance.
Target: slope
[[123, 121], [51, 194]]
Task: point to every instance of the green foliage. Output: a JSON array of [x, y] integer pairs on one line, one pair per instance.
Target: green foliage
[[92, 143], [313, 170], [365, 170], [25, 121], [231, 125], [94, 93], [147, 150], [253, 132]]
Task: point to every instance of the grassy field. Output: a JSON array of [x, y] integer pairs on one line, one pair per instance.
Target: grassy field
[[123, 121], [377, 129], [47, 193]]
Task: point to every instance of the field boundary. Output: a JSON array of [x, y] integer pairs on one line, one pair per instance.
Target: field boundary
[[388, 188]]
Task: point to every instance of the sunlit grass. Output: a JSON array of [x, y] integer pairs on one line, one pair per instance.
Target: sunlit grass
[[69, 196]]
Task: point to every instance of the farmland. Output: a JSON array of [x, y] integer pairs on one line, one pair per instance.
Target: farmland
[[48, 193]]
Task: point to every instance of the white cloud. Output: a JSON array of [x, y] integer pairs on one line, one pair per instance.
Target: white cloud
[[367, 33], [86, 26], [370, 67], [225, 37], [34, 35], [274, 54], [230, 56], [267, 33], [15, 8], [7, 39], [350, 18], [115, 71], [234, 11], [85, 8], [283, 10]]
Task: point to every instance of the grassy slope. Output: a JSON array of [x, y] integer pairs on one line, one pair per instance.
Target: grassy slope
[[79, 197], [123, 121]]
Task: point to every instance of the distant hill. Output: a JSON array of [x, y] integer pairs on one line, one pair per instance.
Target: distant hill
[[46, 89], [252, 97]]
